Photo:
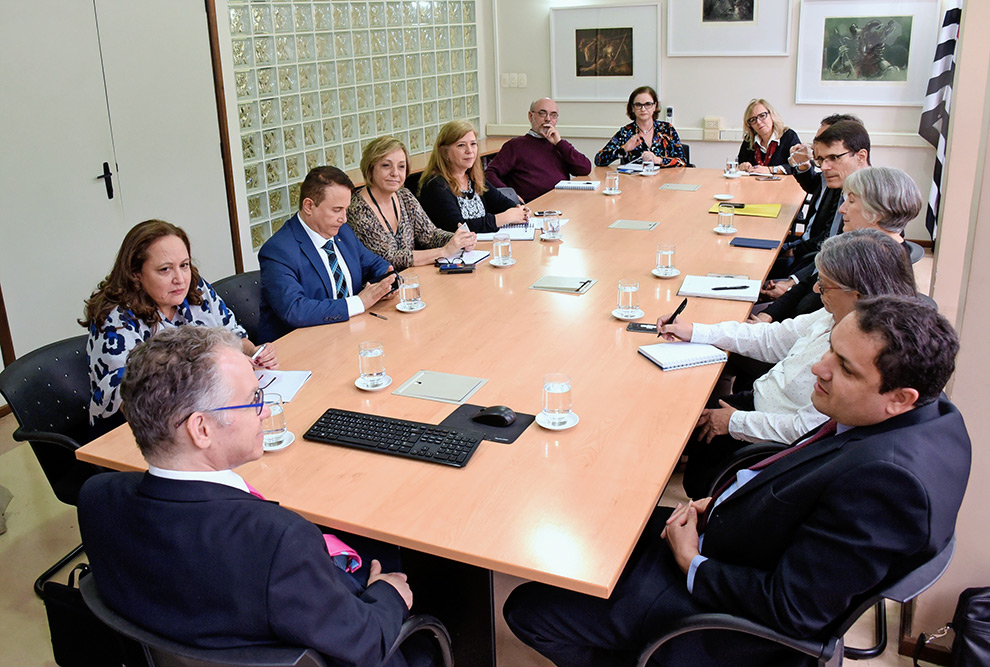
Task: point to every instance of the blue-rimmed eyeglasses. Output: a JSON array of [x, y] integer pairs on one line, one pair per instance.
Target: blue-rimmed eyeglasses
[[258, 405]]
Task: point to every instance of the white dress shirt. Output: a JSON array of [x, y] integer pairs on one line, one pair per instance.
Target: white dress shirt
[[355, 306]]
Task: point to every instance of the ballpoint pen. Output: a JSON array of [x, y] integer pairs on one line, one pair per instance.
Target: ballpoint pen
[[725, 287], [381, 317], [257, 353], [677, 312]]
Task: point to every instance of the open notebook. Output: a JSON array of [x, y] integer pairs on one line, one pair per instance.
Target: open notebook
[[671, 356]]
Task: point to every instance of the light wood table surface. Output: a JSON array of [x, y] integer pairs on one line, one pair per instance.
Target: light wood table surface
[[566, 507]]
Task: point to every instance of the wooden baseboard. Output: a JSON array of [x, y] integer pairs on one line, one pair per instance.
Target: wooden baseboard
[[932, 653], [4, 410], [924, 243]]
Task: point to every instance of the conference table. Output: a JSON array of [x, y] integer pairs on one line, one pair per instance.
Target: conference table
[[560, 507]]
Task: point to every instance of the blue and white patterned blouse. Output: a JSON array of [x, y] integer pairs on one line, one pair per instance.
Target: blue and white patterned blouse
[[107, 350], [666, 146]]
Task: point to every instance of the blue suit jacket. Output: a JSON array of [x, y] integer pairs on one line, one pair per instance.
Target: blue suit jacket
[[212, 566], [296, 290]]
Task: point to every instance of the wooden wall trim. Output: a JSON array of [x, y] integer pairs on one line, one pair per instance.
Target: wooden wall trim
[[228, 169], [6, 342]]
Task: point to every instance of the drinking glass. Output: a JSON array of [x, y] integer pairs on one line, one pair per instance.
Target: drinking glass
[[556, 398], [627, 298], [726, 212], [501, 250], [371, 362], [274, 424], [409, 293], [551, 228], [665, 259], [612, 182], [731, 166], [650, 168]]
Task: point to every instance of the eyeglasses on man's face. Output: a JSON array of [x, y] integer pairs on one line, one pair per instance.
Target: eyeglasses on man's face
[[644, 105], [552, 115], [753, 120], [832, 159], [258, 405]]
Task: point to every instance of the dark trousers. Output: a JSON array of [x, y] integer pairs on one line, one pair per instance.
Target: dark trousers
[[705, 460]]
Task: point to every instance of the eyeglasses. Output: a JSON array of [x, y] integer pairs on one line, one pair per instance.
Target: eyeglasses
[[760, 116], [819, 161], [822, 287], [552, 115], [644, 105], [258, 405]]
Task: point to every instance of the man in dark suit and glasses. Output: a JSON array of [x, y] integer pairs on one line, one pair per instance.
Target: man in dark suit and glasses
[[863, 500]]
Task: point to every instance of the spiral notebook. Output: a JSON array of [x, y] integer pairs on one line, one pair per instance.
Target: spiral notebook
[[671, 356], [577, 185]]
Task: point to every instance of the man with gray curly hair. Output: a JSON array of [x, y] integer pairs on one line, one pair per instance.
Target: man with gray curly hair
[[191, 552]]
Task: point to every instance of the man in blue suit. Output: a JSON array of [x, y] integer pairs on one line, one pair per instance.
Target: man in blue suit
[[794, 542], [314, 270], [190, 552]]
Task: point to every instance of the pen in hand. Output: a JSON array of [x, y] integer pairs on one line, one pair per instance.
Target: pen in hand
[[257, 353], [673, 317]]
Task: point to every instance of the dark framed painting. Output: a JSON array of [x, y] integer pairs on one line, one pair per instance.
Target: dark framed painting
[[603, 52]]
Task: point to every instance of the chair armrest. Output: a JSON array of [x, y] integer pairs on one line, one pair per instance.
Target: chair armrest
[[24, 435], [431, 624], [696, 622]]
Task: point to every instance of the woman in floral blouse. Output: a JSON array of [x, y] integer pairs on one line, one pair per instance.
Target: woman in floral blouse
[[152, 286], [389, 220], [645, 137]]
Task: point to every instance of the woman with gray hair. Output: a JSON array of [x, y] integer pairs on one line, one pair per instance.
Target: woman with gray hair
[[881, 198], [860, 264]]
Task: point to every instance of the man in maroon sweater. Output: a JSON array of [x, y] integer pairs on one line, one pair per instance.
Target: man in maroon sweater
[[535, 162]]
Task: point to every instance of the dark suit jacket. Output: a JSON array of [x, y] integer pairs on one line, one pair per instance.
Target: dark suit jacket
[[802, 542], [296, 290], [212, 566]]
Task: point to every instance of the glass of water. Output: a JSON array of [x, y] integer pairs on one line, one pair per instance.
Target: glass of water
[[726, 213], [274, 424], [556, 399], [409, 294], [371, 362], [665, 259], [731, 166], [502, 250], [627, 299], [612, 182], [551, 228]]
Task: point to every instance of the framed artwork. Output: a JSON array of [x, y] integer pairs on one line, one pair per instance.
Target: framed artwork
[[865, 52], [601, 53], [728, 27]]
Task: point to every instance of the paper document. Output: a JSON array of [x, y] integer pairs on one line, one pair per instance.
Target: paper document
[[733, 289], [443, 387], [516, 233], [538, 222], [686, 187], [284, 383], [566, 284], [467, 257], [755, 210], [578, 185], [631, 168], [643, 225]]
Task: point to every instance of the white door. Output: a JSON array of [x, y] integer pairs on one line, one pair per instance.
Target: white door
[[128, 82]]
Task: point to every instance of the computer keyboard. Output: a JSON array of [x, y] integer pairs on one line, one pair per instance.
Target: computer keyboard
[[414, 440]]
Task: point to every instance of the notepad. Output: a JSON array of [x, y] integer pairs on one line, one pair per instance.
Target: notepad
[[468, 257], [686, 187], [577, 185], [643, 225], [705, 287], [754, 210], [762, 244], [671, 356], [516, 233], [284, 383], [566, 284], [443, 387], [631, 168]]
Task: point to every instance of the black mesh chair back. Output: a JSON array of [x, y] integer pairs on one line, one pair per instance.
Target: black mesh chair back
[[242, 294]]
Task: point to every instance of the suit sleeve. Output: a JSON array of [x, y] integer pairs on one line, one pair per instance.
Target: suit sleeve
[[373, 267], [853, 536], [282, 287], [313, 603]]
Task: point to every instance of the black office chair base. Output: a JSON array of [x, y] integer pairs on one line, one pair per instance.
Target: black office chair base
[[880, 628], [54, 569]]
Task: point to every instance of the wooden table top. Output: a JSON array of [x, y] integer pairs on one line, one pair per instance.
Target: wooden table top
[[561, 507]]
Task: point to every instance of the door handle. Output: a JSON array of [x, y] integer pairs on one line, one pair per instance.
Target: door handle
[[107, 180]]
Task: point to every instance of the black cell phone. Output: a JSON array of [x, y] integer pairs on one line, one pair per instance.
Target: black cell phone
[[768, 178], [457, 268], [395, 283], [642, 327], [541, 214]]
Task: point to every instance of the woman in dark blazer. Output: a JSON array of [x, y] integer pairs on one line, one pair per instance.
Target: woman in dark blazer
[[767, 142]]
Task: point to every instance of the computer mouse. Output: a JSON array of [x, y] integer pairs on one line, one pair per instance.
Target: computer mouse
[[495, 415]]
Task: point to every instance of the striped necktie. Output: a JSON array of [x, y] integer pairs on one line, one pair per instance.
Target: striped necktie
[[336, 273]]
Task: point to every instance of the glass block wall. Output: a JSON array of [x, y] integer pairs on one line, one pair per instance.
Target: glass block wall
[[316, 81]]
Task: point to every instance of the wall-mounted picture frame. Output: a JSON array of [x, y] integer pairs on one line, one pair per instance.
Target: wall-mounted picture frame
[[865, 52], [600, 53], [728, 27]]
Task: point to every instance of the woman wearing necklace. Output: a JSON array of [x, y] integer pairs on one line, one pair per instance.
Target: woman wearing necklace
[[388, 219], [453, 188], [766, 141], [645, 137]]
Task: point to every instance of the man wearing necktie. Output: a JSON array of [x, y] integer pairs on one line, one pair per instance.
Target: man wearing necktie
[[191, 552], [794, 542], [314, 270]]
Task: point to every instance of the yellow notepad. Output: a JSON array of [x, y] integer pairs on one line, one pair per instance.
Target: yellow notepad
[[756, 210]]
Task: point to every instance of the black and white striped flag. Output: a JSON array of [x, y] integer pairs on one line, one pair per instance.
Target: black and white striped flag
[[935, 115]]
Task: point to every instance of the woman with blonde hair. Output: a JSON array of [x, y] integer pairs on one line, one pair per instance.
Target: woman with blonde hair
[[767, 142], [453, 189], [388, 219]]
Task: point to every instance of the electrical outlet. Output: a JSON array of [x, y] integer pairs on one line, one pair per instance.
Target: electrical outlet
[[713, 123], [513, 80], [522, 79], [710, 135], [504, 80]]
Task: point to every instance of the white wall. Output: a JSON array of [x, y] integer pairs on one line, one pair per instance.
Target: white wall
[[695, 87]]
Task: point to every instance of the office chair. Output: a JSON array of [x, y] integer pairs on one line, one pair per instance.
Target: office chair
[[687, 154], [48, 392], [161, 652], [828, 650], [511, 194], [917, 252], [242, 294]]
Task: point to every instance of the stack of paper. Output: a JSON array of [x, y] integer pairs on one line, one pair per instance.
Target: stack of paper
[[564, 284], [284, 383]]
